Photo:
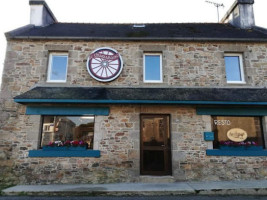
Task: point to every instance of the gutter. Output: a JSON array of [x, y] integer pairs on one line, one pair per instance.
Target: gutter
[[110, 101]]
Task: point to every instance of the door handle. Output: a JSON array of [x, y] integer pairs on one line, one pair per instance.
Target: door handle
[[163, 145]]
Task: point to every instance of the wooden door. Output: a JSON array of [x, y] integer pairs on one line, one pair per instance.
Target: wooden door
[[155, 145]]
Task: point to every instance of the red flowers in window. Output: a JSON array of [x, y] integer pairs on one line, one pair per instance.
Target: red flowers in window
[[74, 143], [231, 143]]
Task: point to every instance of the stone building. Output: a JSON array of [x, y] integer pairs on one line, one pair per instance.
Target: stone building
[[151, 102]]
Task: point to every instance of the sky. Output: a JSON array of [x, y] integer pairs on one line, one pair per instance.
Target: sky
[[16, 13]]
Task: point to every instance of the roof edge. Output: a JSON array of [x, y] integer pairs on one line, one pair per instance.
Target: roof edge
[[9, 34], [104, 101], [260, 29], [197, 39]]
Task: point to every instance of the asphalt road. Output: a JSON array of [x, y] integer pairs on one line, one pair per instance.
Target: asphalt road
[[139, 198]]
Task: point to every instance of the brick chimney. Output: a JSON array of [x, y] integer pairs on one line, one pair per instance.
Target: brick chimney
[[240, 14], [41, 15]]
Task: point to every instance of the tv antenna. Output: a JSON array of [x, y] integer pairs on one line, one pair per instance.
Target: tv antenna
[[216, 5]]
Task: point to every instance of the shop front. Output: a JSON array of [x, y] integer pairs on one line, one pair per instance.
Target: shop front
[[129, 134]]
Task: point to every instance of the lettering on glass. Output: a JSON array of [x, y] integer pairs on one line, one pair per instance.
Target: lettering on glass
[[222, 122], [237, 134]]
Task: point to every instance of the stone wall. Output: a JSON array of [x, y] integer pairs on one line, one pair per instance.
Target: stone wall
[[118, 135], [184, 64]]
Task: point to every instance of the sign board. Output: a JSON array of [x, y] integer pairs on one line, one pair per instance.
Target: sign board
[[237, 135], [104, 64], [208, 136]]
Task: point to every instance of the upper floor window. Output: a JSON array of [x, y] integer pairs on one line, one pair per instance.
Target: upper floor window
[[153, 68], [234, 68], [57, 67]]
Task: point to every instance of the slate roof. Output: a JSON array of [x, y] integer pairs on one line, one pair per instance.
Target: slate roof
[[166, 31], [143, 95]]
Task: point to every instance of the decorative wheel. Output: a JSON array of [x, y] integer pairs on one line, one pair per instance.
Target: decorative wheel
[[104, 64]]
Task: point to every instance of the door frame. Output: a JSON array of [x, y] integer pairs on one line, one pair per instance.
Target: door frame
[[167, 151]]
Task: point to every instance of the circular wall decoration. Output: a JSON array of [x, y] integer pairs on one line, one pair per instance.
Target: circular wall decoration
[[104, 64], [237, 135]]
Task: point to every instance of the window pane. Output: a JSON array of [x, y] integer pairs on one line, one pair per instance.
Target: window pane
[[223, 124], [58, 68], [68, 128], [152, 67], [232, 68]]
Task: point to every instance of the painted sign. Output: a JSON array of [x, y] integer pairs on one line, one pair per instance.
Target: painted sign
[[237, 135], [104, 64], [222, 122]]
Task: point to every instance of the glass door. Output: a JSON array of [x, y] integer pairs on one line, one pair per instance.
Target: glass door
[[155, 145]]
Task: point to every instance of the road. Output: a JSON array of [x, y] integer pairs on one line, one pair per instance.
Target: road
[[139, 198]]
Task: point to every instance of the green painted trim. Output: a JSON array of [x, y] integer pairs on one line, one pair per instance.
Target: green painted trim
[[57, 110], [232, 111], [87, 153], [136, 102], [217, 152]]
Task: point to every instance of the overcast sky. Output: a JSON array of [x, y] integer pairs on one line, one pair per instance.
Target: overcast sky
[[16, 13]]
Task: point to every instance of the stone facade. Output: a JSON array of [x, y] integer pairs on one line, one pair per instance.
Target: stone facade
[[184, 64], [117, 136]]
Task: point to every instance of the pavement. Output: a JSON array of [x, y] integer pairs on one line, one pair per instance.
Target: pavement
[[255, 187]]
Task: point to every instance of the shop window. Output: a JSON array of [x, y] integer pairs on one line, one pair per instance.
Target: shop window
[[64, 130], [237, 133], [57, 67], [152, 68], [234, 68]]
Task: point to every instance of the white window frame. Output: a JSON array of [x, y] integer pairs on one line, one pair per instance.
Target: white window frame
[[50, 66], [241, 67], [144, 67]]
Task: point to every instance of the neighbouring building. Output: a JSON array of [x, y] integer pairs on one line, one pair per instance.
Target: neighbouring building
[[102, 103]]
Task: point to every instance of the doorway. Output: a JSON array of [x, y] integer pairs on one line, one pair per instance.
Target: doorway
[[155, 145]]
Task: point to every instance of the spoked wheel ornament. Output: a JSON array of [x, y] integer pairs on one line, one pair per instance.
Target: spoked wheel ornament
[[104, 64]]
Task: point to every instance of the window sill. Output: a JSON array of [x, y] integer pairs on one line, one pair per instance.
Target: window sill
[[41, 153], [153, 81], [236, 82], [56, 81], [218, 152]]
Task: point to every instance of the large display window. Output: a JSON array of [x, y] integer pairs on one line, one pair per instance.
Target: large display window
[[68, 130], [232, 132]]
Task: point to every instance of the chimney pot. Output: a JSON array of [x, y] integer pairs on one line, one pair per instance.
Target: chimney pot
[[41, 15], [240, 14]]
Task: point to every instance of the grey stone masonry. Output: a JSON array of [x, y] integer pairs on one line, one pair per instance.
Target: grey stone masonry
[[117, 136]]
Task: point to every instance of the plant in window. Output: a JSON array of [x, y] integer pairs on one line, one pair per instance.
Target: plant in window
[[231, 143], [239, 146], [55, 144], [67, 145]]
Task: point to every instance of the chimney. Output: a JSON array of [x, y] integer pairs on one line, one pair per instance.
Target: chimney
[[240, 14], [41, 15]]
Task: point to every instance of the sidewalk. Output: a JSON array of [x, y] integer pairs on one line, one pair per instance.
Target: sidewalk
[[258, 187]]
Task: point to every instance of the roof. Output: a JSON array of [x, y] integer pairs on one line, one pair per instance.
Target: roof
[[244, 96], [166, 31]]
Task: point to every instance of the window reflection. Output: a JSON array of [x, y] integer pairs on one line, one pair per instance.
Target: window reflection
[[68, 128]]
